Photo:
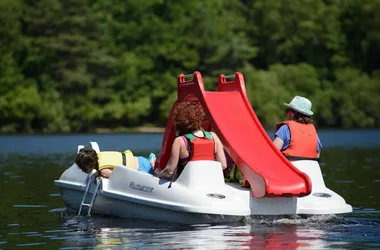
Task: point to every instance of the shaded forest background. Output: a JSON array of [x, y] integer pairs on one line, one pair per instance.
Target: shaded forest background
[[80, 66]]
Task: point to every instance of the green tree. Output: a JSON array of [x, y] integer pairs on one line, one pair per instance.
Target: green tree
[[71, 66], [360, 22], [356, 106], [294, 31], [67, 48], [268, 90], [19, 98]]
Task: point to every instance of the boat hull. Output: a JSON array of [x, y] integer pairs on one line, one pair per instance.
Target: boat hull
[[199, 195]]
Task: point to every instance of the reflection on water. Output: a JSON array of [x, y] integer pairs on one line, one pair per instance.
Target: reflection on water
[[34, 217], [318, 232]]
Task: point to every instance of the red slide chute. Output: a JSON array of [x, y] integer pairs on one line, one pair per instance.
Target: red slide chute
[[231, 117]]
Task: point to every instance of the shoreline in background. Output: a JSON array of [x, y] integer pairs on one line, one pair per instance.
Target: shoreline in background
[[49, 144], [129, 130], [119, 130]]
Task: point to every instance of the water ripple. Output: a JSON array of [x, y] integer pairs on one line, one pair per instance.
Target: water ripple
[[29, 206], [35, 216]]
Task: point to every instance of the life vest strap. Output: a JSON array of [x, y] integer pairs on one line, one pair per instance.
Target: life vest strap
[[190, 136], [208, 135], [298, 158]]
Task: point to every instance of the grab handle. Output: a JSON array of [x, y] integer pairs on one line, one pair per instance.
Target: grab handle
[[188, 75], [229, 76]]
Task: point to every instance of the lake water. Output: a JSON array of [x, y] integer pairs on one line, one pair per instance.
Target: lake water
[[33, 216]]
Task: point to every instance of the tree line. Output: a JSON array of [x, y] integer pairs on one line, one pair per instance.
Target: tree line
[[79, 66]]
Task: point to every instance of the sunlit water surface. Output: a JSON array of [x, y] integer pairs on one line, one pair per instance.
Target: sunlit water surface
[[33, 215]]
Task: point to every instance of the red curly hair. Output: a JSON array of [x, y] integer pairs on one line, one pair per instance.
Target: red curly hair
[[188, 117]]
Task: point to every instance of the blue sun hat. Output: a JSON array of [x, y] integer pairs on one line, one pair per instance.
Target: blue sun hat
[[301, 105]]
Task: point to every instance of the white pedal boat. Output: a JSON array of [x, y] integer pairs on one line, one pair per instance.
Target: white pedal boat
[[199, 195]]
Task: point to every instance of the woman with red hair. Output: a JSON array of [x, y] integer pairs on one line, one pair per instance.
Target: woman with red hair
[[193, 143]]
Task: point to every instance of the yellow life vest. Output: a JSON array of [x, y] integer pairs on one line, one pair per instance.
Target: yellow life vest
[[108, 159]]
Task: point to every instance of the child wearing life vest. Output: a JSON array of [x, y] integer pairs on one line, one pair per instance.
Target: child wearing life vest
[[232, 173], [88, 159], [193, 143]]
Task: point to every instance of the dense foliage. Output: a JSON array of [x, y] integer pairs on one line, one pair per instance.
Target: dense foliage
[[77, 66]]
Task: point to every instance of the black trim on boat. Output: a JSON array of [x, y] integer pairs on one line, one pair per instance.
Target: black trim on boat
[[124, 159]]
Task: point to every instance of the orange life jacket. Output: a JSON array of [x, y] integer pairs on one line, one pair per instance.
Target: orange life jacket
[[303, 141], [201, 148]]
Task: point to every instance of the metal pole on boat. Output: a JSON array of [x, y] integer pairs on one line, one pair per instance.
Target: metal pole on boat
[[173, 177]]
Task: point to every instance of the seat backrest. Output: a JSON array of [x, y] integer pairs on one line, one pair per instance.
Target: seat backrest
[[202, 174], [313, 170]]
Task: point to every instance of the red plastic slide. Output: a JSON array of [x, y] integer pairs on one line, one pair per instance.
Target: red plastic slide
[[230, 115]]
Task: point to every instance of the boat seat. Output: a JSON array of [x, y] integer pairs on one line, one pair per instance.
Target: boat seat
[[202, 174], [93, 145]]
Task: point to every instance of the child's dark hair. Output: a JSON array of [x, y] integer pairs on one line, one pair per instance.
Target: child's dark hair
[[87, 158]]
